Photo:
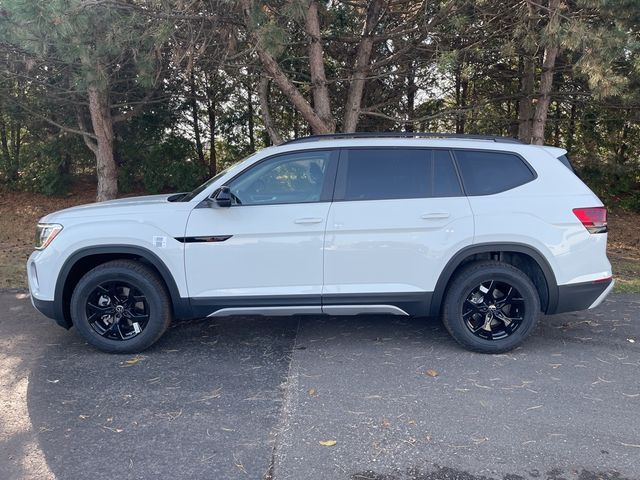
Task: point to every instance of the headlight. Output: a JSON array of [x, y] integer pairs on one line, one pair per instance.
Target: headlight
[[45, 233]]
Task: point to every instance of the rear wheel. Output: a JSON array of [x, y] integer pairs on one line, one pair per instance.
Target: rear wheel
[[121, 307], [491, 307]]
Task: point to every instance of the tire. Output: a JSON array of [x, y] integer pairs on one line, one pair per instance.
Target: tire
[[121, 306], [483, 315]]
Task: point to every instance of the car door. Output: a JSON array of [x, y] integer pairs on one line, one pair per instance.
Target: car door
[[398, 216], [265, 250]]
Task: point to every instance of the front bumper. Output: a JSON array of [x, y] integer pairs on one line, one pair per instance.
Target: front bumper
[[48, 308], [582, 296]]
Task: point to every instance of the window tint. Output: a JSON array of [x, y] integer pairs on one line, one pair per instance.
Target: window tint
[[566, 162], [382, 174], [292, 178], [445, 178], [484, 173]]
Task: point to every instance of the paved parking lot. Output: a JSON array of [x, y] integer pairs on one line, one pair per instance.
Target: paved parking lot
[[253, 398]]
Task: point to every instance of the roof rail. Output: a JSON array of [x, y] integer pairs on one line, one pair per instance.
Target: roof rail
[[355, 135]]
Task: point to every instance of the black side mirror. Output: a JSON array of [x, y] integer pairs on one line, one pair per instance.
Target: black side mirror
[[223, 197]]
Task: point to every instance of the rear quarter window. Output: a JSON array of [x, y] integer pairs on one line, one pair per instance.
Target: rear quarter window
[[486, 172], [566, 162]]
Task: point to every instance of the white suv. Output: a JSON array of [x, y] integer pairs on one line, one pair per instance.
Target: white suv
[[485, 231]]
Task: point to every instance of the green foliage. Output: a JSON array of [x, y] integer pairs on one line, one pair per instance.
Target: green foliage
[[172, 166], [47, 165], [93, 38], [617, 185]]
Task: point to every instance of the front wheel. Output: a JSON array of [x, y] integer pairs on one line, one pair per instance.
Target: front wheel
[[491, 307], [121, 306]]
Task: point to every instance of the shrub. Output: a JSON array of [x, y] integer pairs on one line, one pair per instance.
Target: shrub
[[172, 166]]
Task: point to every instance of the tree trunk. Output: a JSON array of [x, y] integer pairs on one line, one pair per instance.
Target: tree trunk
[[4, 141], [556, 126], [544, 99], [546, 80], [525, 106], [362, 63], [211, 113], [321, 100], [623, 146], [102, 123], [250, 123], [267, 120], [270, 65], [193, 101], [411, 96], [571, 131]]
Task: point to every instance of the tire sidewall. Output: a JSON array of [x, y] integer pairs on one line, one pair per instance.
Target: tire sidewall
[[470, 279], [156, 301]]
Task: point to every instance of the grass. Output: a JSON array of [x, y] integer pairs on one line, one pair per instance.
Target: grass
[[627, 274], [19, 213]]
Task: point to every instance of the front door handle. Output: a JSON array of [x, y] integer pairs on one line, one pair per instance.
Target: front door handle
[[307, 220], [434, 215]]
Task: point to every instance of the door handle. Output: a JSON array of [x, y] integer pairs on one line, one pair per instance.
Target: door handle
[[434, 215], [307, 220]]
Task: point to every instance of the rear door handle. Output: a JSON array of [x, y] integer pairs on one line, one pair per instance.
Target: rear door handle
[[308, 220], [434, 215]]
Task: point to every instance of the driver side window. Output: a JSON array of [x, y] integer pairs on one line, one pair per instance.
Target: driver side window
[[291, 178]]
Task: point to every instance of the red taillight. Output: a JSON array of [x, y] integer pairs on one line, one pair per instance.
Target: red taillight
[[594, 219]]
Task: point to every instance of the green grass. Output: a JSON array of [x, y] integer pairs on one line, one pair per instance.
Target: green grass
[[626, 272]]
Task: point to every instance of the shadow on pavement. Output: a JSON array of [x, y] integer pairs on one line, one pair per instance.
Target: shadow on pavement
[[209, 398], [201, 403]]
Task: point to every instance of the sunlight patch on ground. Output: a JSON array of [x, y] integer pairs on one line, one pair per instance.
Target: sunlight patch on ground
[[15, 424]]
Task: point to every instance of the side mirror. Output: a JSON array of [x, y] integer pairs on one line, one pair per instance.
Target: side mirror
[[223, 197]]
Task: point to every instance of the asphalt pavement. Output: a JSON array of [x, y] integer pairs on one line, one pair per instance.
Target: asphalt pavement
[[357, 398]]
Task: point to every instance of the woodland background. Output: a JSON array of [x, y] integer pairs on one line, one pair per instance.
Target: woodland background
[[158, 95]]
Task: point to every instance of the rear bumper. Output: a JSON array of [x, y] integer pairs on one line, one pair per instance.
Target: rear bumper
[[582, 296]]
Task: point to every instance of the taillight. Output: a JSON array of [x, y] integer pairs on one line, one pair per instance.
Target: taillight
[[594, 219]]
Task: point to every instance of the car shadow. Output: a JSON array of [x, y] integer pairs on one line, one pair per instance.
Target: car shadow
[[206, 400]]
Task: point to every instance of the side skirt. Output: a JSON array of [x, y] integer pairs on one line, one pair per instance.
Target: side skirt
[[405, 304]]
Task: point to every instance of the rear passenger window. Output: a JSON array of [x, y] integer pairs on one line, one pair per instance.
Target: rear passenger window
[[384, 174], [445, 178], [485, 173]]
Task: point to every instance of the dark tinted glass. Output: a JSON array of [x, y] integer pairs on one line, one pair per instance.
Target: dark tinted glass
[[383, 174], [485, 173], [445, 178], [566, 162]]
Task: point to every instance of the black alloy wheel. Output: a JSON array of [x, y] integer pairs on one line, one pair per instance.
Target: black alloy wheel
[[493, 310], [490, 306], [121, 306], [117, 310]]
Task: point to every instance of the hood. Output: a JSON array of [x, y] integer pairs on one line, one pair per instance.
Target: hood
[[128, 206]]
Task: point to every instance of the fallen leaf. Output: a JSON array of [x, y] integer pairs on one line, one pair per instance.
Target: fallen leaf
[[328, 443], [431, 373], [313, 392], [115, 430]]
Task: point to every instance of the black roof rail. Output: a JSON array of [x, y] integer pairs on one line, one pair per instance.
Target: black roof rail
[[355, 135]]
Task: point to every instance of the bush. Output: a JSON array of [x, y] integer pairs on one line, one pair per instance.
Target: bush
[[43, 175], [617, 184], [45, 166], [172, 166]]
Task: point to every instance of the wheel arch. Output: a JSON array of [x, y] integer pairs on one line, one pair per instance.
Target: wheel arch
[[84, 259], [542, 273]]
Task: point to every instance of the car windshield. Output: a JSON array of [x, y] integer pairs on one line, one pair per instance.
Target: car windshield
[[191, 195]]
